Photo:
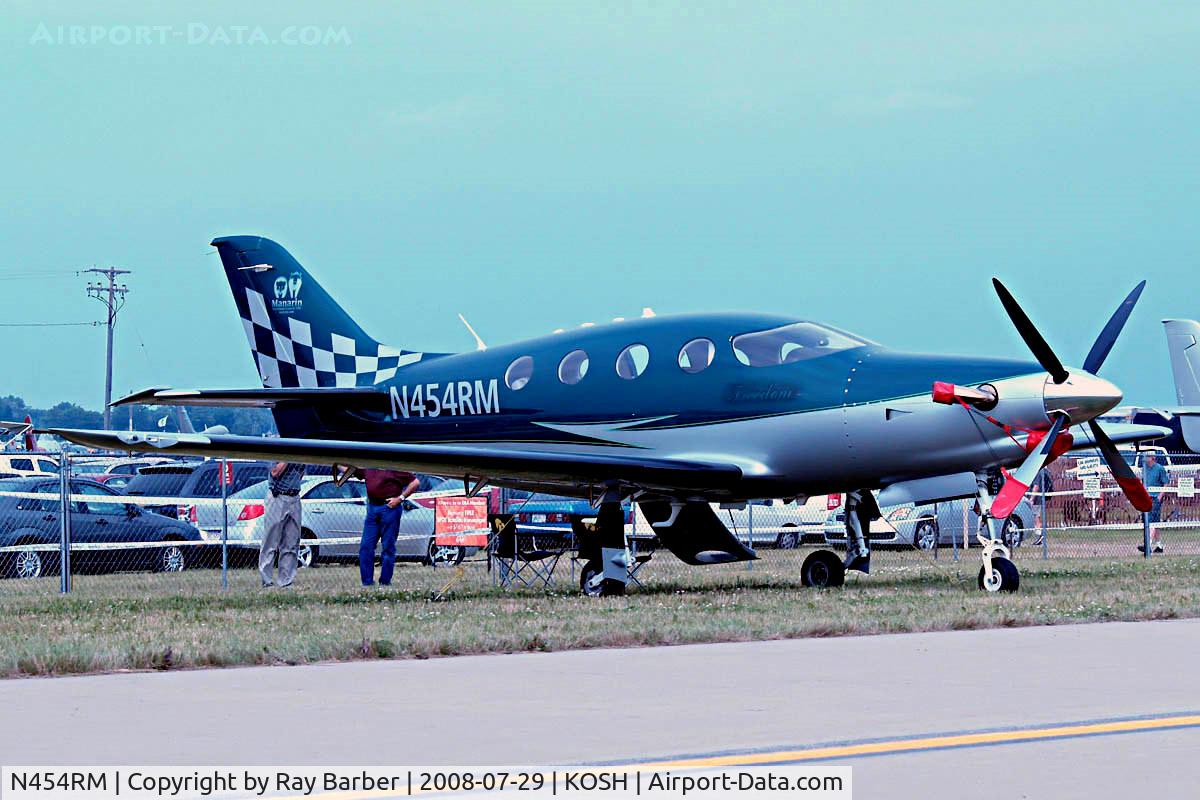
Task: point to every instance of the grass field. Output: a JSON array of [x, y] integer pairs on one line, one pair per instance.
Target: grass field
[[129, 621]]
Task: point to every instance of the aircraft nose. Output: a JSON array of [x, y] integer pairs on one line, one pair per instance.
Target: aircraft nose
[[1082, 396]]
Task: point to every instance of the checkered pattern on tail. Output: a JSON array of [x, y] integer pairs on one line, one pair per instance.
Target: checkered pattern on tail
[[301, 356]]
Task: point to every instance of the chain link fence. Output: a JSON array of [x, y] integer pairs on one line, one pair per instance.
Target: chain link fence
[[73, 531]]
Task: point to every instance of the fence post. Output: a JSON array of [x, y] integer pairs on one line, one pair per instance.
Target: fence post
[[1045, 543], [1146, 534], [64, 533], [750, 533], [954, 539], [224, 529]]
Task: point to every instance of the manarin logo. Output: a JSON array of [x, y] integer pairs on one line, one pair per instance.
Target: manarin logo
[[287, 294]]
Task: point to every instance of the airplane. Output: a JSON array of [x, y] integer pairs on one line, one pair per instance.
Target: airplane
[[1183, 335], [673, 412]]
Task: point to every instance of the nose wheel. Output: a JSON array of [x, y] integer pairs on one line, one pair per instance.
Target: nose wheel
[[1002, 577]]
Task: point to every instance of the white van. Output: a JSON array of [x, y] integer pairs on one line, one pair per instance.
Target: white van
[[28, 464]]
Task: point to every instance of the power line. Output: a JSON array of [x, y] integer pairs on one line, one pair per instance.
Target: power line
[[47, 324], [33, 274]]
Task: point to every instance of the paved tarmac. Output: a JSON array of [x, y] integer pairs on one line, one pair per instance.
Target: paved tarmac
[[1109, 710]]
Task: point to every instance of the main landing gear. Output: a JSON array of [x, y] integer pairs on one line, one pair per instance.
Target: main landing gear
[[823, 568], [998, 573], [606, 568]]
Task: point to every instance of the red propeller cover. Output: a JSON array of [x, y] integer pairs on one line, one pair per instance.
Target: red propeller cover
[[944, 393]]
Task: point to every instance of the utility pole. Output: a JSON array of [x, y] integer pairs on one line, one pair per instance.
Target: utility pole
[[113, 297]]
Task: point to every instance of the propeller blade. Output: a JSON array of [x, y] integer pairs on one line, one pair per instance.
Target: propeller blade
[[1033, 339], [1018, 483], [1108, 336], [1130, 484]]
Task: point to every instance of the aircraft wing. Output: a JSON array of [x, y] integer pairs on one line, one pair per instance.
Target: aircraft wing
[[492, 462], [254, 398]]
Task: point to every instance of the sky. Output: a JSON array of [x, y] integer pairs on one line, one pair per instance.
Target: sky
[[538, 165]]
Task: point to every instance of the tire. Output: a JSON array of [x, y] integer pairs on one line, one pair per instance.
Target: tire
[[1008, 577], [26, 564], [789, 539], [444, 555], [925, 535], [823, 570], [309, 553], [587, 583], [171, 557], [592, 584]]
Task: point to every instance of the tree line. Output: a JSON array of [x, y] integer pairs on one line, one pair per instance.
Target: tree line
[[244, 421]]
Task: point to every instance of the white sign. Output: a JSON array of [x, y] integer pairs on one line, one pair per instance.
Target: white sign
[[1091, 487], [1187, 487], [1088, 466]]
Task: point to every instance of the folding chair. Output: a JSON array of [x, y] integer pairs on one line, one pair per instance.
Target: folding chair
[[641, 549], [527, 558]]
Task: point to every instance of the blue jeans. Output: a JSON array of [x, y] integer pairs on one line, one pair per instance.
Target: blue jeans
[[381, 525]]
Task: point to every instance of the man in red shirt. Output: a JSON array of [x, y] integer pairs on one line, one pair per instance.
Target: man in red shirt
[[386, 492]]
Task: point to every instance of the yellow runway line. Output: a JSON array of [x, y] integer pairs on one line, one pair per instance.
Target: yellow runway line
[[851, 750], [929, 743]]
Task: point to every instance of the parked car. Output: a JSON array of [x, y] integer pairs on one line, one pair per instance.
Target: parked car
[[931, 525], [26, 463], [328, 511], [185, 481], [106, 520], [546, 513], [777, 523]]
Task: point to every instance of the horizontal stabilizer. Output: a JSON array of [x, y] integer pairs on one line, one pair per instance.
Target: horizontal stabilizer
[[494, 463], [251, 398]]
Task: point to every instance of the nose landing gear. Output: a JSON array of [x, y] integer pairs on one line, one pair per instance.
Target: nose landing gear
[[998, 573]]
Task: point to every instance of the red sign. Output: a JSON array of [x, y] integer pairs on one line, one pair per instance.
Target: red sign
[[833, 501], [227, 473], [461, 521]]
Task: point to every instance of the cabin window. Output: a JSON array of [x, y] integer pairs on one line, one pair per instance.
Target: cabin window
[[799, 341], [573, 367], [633, 361], [518, 373], [696, 355]]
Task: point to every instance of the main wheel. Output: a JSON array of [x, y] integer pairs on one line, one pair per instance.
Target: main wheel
[[590, 579], [308, 552], [447, 555], [1005, 576], [925, 535], [823, 569], [593, 583], [789, 539]]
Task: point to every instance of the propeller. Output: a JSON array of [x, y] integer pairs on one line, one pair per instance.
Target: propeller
[[1032, 336], [1018, 483], [1104, 342], [1130, 484]]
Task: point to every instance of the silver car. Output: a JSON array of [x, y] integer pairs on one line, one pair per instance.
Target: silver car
[[332, 520], [933, 525], [776, 523]]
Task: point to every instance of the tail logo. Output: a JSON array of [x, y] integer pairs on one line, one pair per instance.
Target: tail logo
[[287, 294]]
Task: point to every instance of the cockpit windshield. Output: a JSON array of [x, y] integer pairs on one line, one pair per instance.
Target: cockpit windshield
[[799, 341]]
